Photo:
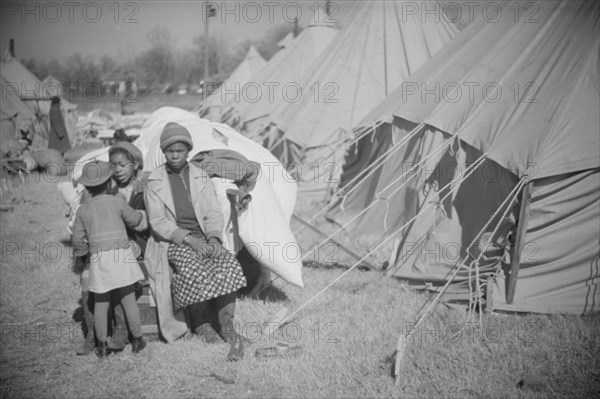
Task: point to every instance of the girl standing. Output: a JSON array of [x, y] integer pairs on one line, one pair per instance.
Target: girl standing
[[99, 232]]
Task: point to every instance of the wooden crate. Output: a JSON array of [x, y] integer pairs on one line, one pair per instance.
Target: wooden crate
[[148, 312]]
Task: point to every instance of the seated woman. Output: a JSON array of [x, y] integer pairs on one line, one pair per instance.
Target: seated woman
[[187, 223]]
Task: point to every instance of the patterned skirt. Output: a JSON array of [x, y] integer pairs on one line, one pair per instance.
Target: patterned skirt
[[198, 278]]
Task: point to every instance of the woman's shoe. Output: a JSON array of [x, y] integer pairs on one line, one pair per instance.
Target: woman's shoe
[[102, 350], [236, 349], [138, 344], [208, 334], [87, 347]]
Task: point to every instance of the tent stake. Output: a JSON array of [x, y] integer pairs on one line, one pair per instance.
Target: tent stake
[[519, 243]]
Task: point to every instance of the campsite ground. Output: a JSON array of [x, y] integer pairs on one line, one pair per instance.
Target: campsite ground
[[348, 334], [144, 103]]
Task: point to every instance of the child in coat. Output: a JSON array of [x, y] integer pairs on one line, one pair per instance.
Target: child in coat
[[99, 232]]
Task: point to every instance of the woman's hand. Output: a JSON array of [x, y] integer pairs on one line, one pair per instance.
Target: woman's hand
[[199, 245], [216, 247], [210, 249]]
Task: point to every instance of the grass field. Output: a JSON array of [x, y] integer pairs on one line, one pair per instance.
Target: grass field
[[145, 103], [348, 334]]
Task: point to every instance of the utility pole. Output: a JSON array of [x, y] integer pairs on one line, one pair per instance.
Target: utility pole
[[295, 26], [209, 11], [327, 7]]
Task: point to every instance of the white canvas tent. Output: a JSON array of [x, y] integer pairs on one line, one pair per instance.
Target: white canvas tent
[[286, 41], [269, 87], [440, 167], [252, 63], [378, 48], [265, 226], [14, 117], [34, 94]]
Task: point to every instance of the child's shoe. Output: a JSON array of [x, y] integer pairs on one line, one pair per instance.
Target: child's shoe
[[103, 350], [87, 347], [138, 344], [236, 348], [115, 345]]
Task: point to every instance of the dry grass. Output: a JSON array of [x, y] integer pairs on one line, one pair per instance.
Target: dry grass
[[348, 336], [144, 103]]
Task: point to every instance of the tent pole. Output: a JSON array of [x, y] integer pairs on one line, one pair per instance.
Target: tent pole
[[344, 248], [489, 293], [519, 243]]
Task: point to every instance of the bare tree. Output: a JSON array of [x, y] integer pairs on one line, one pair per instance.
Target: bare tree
[[156, 63]]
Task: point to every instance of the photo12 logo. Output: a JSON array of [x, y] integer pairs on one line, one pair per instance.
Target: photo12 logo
[[274, 92], [469, 11], [69, 11], [471, 92], [268, 11]]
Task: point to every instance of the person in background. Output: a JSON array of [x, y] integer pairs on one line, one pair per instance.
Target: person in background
[[186, 223], [120, 135], [58, 137], [99, 234]]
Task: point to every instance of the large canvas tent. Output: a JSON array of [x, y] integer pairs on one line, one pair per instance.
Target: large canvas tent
[[269, 87], [36, 96], [252, 63], [14, 117], [515, 121], [378, 48]]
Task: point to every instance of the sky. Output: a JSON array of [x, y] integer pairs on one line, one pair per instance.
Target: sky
[[46, 30]]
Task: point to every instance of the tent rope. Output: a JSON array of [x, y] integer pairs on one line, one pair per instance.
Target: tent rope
[[359, 178], [439, 149], [466, 173], [401, 344], [435, 204], [365, 130], [419, 170], [433, 221]]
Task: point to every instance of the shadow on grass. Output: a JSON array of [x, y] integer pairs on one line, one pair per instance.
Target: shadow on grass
[[78, 315], [334, 266], [269, 294], [252, 272]]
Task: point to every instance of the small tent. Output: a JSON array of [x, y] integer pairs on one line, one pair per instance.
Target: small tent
[[14, 117], [270, 87], [490, 179], [245, 71], [286, 41], [36, 95], [378, 48]]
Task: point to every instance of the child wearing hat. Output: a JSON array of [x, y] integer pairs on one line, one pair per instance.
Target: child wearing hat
[[99, 232]]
